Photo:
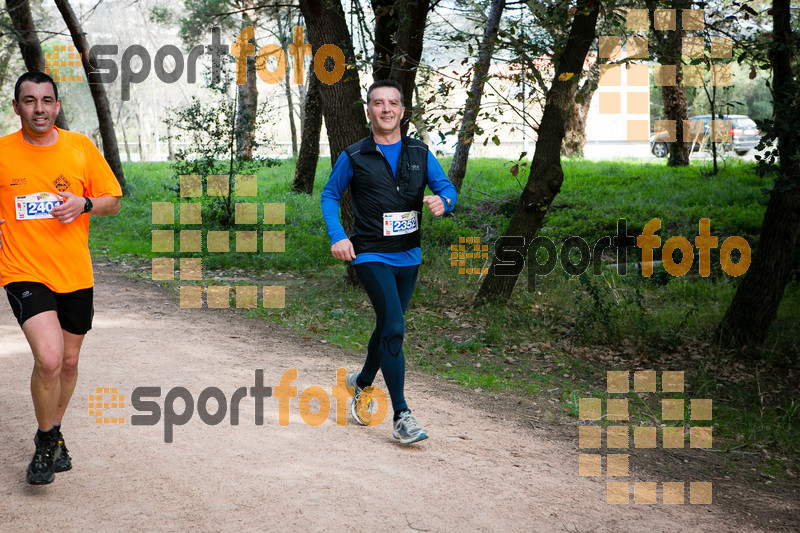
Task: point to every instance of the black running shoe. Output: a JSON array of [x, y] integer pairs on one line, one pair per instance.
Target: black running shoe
[[64, 461], [41, 471]]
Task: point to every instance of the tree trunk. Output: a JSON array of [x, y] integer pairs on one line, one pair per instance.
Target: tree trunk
[[98, 90], [399, 28], [575, 134], [125, 140], [408, 52], [284, 40], [712, 100], [247, 105], [121, 124], [668, 51], [25, 33], [139, 131], [306, 167], [546, 174], [302, 104], [755, 304], [419, 123], [170, 152], [341, 101], [5, 58], [385, 30], [458, 168], [290, 105]]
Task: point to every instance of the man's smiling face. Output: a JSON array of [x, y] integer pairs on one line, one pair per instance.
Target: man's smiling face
[[385, 110], [37, 109]]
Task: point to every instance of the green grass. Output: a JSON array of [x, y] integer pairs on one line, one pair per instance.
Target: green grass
[[558, 335], [130, 231], [595, 196]]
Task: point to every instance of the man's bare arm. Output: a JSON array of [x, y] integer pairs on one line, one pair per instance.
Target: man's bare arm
[[73, 207], [105, 206]]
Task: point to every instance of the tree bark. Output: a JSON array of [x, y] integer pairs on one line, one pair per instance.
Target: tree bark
[[755, 304], [399, 28], [247, 104], [29, 46], [342, 106], [408, 52], [668, 51], [546, 175], [170, 152], [139, 132], [385, 30], [480, 71], [284, 40], [306, 167], [290, 106], [419, 123], [125, 140], [341, 101], [5, 58], [302, 104], [98, 90], [575, 134], [121, 124]]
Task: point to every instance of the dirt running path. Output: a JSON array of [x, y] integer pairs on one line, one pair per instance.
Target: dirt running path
[[476, 472]]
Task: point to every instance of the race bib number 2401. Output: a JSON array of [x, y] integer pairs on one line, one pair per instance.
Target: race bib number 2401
[[36, 206]]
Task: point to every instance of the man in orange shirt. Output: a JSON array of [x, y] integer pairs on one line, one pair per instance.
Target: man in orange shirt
[[50, 179]]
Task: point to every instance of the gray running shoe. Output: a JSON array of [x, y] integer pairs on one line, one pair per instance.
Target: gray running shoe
[[407, 429], [359, 396]]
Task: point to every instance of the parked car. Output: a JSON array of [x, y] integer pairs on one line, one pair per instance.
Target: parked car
[[743, 133]]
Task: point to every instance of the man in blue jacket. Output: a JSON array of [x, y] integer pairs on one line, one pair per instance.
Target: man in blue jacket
[[387, 173]]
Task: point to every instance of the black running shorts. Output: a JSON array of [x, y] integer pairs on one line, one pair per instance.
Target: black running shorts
[[75, 309]]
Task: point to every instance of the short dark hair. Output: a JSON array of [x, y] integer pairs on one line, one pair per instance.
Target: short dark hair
[[385, 83], [35, 77]]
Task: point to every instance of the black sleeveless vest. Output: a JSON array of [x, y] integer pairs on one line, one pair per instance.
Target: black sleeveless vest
[[375, 192]]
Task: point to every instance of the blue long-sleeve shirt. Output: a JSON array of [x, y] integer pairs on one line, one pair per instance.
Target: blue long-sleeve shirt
[[339, 180]]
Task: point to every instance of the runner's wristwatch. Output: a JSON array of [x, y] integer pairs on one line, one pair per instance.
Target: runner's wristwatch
[[448, 202], [88, 206]]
